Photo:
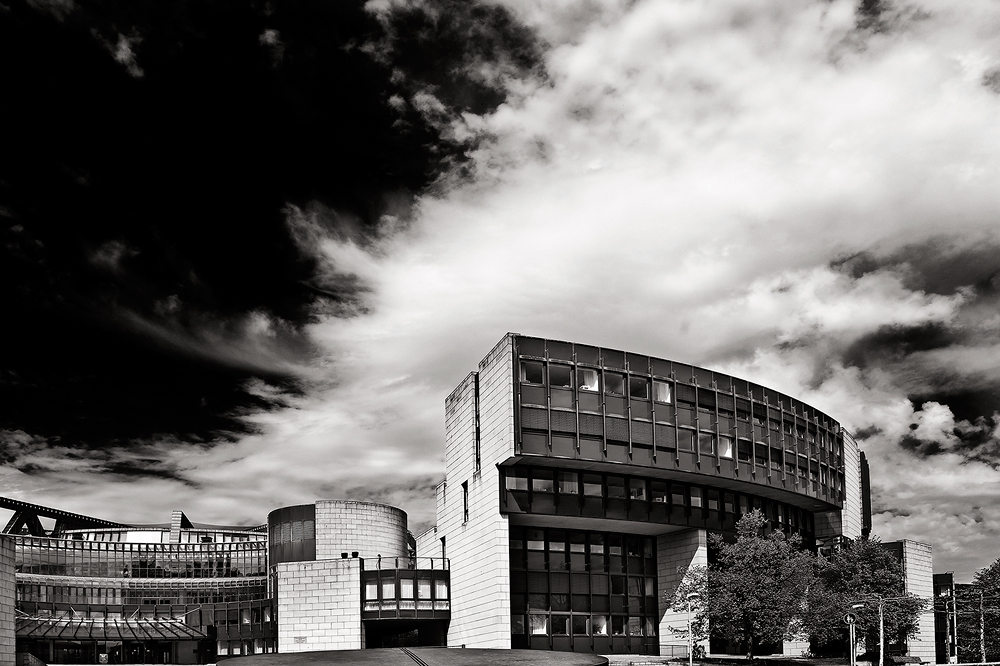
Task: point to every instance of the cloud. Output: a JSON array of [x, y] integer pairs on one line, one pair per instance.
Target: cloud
[[738, 186]]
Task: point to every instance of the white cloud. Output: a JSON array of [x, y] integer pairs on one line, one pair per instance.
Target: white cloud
[[743, 149]]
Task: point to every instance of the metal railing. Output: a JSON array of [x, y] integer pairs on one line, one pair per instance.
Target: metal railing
[[439, 563]]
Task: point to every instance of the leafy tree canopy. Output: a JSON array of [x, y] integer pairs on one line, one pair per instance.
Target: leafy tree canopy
[[861, 572], [757, 585]]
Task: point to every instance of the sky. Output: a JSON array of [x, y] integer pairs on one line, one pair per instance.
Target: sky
[[248, 250]]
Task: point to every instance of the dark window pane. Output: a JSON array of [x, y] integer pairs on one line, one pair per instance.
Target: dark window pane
[[560, 375], [541, 481], [638, 388], [616, 487], [614, 383], [568, 483], [637, 489], [706, 443], [532, 372], [592, 485]]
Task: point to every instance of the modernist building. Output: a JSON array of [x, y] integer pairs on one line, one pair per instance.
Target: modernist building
[[582, 481], [330, 575], [580, 484]]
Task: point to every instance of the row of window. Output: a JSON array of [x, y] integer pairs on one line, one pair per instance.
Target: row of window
[[127, 535], [564, 382], [140, 561], [116, 596], [242, 616], [81, 546], [387, 589], [582, 625], [573, 484], [246, 647], [646, 365], [708, 444], [292, 531]]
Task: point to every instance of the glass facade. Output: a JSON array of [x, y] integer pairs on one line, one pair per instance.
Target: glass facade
[[71, 557], [584, 591], [587, 403], [560, 492]]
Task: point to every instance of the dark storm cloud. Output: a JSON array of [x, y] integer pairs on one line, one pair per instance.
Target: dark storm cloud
[[152, 152]]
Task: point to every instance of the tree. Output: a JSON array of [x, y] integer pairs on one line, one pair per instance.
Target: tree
[[757, 586], [978, 608], [861, 572], [691, 597]]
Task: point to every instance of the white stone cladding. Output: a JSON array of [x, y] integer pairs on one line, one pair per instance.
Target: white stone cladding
[[428, 544], [371, 529], [918, 569], [675, 554], [319, 605], [7, 587], [853, 520], [478, 549]]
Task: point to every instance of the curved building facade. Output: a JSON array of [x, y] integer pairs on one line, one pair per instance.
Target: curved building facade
[[93, 591], [597, 475]]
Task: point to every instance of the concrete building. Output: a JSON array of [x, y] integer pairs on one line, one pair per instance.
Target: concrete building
[[581, 482], [331, 575], [580, 485]]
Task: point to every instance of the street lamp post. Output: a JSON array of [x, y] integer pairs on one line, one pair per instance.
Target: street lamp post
[[691, 597]]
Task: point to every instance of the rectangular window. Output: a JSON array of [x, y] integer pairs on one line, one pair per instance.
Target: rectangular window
[[599, 625], [405, 588], [424, 588], [465, 501], [245, 616], [686, 440], [713, 500], [388, 589], [637, 489], [662, 392], [539, 625], [440, 589], [695, 496], [638, 388], [371, 591], [532, 372], [568, 483], [659, 492], [706, 443], [616, 487], [592, 485], [588, 379], [581, 625], [614, 383], [635, 626], [744, 450], [517, 479], [541, 481], [726, 447], [677, 495], [560, 376]]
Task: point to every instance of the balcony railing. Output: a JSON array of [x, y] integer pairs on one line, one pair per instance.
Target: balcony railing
[[392, 605], [408, 563]]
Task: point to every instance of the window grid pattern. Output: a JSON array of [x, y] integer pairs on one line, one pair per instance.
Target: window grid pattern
[[574, 404], [582, 589], [70, 557], [537, 490]]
